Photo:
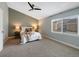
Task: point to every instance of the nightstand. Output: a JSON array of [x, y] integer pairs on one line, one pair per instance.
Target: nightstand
[[17, 34]]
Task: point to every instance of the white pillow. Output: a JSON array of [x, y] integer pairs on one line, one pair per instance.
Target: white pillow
[[23, 28]]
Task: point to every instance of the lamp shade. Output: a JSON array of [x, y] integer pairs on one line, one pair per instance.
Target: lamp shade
[[17, 27]]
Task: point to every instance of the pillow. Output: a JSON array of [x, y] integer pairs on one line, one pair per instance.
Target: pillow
[[23, 28]]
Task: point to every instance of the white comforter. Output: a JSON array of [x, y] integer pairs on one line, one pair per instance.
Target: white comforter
[[34, 36]]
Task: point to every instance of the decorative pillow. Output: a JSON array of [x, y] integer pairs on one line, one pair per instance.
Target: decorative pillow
[[23, 28]]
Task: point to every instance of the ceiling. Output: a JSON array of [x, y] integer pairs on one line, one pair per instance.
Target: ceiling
[[48, 8]]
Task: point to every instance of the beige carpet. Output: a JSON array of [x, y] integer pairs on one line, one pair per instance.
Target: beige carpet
[[42, 48]]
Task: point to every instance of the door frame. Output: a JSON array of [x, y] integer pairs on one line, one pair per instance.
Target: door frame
[[1, 29]]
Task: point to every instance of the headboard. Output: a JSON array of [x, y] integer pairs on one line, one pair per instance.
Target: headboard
[[23, 28]]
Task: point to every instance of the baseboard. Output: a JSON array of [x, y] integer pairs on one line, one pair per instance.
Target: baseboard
[[65, 43], [11, 37]]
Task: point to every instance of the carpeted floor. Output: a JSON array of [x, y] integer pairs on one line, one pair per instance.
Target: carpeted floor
[[42, 48]]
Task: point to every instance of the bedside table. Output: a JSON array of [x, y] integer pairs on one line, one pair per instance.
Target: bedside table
[[17, 35]]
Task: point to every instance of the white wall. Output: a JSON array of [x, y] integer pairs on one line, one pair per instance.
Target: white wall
[[4, 8]]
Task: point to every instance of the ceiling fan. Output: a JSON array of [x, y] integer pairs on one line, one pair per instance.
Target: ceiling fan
[[33, 7]]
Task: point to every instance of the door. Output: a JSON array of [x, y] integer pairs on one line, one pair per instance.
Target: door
[[1, 29]]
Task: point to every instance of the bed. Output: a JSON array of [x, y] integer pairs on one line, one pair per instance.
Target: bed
[[35, 36]]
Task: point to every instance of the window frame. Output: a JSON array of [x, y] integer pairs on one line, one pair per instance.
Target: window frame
[[61, 32]]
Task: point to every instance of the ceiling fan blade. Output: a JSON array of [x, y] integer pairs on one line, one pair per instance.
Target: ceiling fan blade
[[30, 5], [30, 9], [37, 9]]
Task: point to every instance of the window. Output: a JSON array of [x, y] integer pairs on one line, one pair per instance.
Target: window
[[65, 25], [57, 26], [70, 25]]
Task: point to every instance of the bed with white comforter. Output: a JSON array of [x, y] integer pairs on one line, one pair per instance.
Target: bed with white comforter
[[34, 36]]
